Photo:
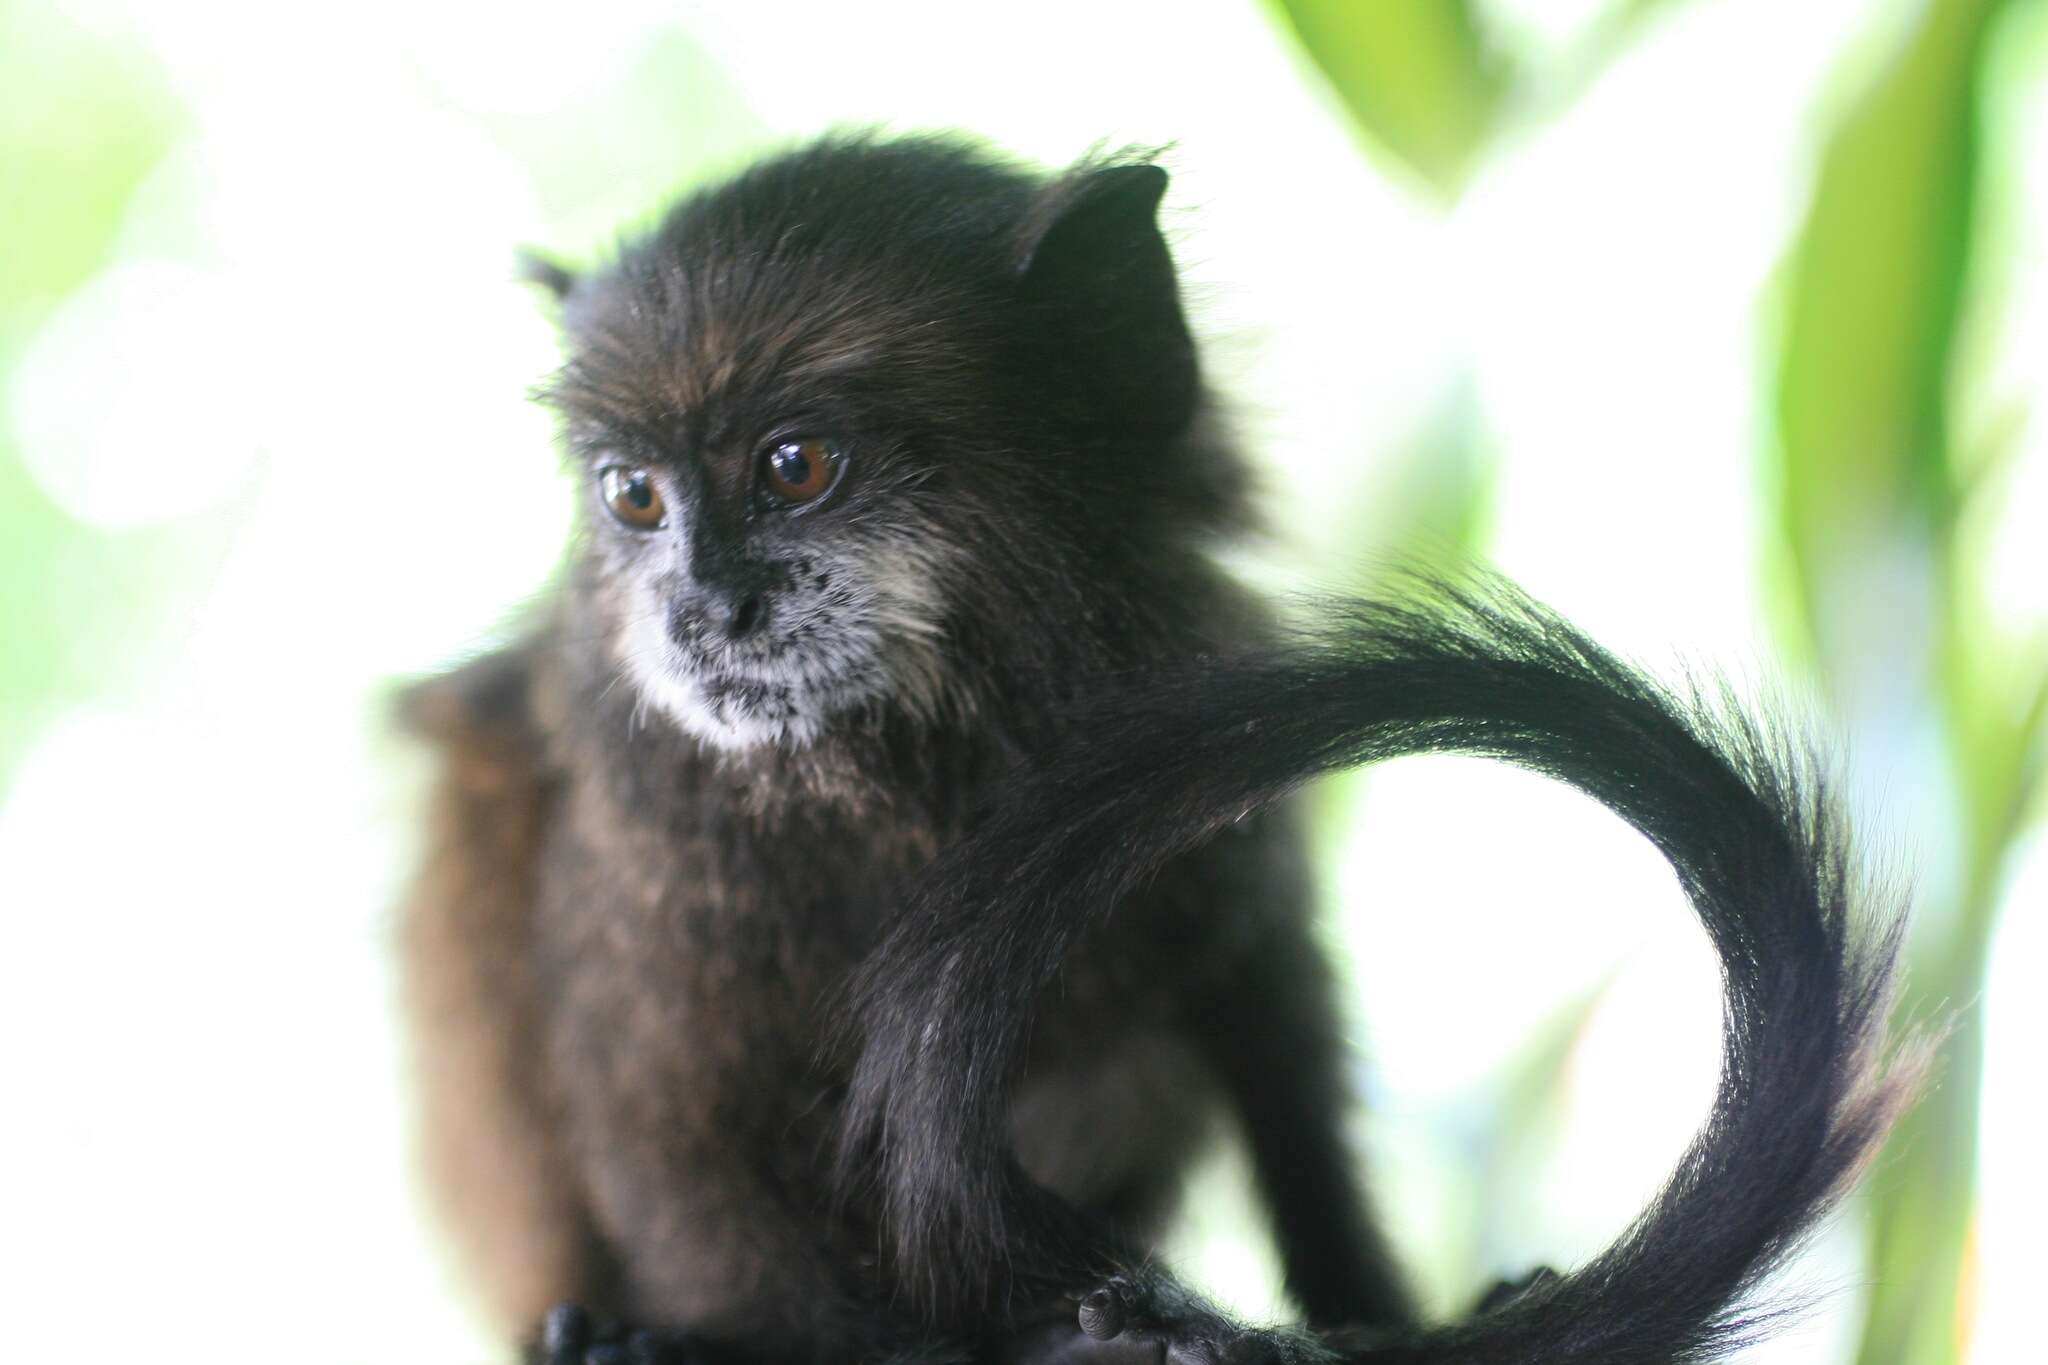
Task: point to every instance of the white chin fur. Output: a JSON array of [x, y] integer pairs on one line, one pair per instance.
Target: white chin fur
[[874, 634], [721, 724], [792, 719]]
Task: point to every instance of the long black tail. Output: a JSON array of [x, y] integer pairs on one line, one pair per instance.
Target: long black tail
[[1742, 815]]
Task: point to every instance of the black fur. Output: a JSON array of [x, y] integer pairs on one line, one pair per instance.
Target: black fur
[[1164, 763]]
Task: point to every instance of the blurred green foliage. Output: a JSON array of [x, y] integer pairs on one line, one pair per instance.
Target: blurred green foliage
[[80, 126], [1872, 488]]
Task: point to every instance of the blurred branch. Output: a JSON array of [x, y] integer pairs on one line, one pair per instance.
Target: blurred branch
[[1529, 1102]]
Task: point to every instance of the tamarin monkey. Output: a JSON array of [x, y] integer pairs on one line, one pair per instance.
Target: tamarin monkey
[[849, 901]]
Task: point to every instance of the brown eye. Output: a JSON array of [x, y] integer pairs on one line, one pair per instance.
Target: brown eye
[[800, 471], [632, 497]]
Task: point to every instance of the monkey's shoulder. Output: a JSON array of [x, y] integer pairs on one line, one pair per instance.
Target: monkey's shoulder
[[485, 699]]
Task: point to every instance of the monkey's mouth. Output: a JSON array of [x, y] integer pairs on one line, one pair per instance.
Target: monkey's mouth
[[742, 672], [763, 691], [737, 694], [782, 681], [730, 707]]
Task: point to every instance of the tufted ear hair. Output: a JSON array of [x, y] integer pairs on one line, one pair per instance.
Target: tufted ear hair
[[532, 267], [1098, 270]]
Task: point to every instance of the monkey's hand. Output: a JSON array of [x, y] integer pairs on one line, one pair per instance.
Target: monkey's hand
[[571, 1336], [1145, 1320]]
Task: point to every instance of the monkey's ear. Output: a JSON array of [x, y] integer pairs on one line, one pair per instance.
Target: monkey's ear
[[532, 267], [1100, 268]]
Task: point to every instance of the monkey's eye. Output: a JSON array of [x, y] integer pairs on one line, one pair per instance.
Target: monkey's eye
[[632, 497], [802, 471]]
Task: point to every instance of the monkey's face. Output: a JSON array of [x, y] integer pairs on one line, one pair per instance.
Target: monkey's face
[[862, 404], [762, 586], [777, 452]]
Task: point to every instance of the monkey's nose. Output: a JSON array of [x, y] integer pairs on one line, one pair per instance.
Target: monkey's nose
[[744, 616], [717, 616]]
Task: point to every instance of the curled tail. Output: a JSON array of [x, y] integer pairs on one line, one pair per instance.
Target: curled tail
[[1742, 815]]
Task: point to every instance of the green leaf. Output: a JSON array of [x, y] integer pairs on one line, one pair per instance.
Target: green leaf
[[1874, 300], [1414, 74]]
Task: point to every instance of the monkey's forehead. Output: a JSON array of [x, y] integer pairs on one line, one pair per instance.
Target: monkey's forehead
[[700, 340], [855, 257]]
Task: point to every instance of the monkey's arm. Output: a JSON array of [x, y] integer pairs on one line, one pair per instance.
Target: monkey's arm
[[1803, 1100], [1270, 1027], [491, 1144]]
